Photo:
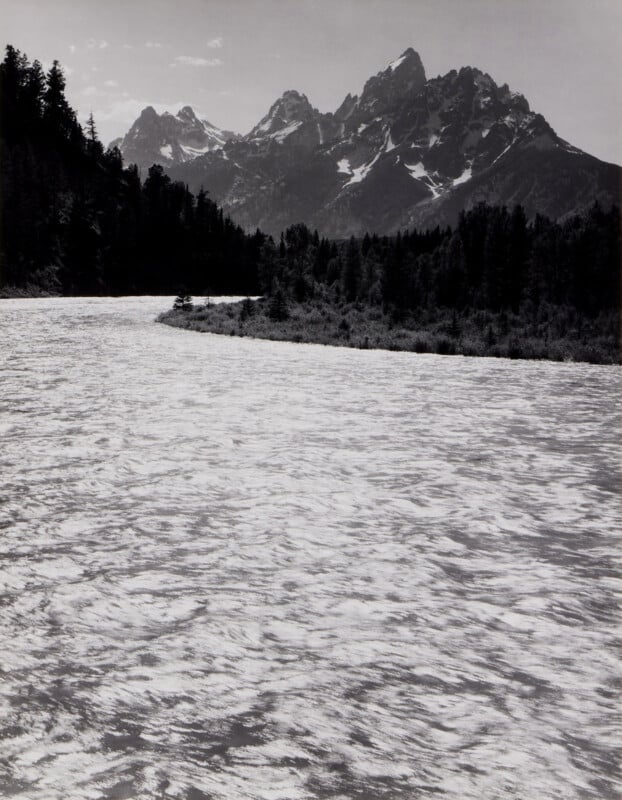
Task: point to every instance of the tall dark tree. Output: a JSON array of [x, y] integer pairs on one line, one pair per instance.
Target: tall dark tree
[[57, 114], [93, 145], [351, 278]]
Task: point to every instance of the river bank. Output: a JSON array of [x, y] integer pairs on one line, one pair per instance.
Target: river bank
[[24, 292], [555, 334]]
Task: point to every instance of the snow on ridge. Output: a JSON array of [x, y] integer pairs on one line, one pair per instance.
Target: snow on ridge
[[167, 151], [395, 64], [569, 148], [282, 134], [210, 130], [266, 124], [193, 152]]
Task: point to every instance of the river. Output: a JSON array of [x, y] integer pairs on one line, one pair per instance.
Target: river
[[234, 569]]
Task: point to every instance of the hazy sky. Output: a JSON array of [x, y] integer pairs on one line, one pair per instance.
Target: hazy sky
[[230, 59]]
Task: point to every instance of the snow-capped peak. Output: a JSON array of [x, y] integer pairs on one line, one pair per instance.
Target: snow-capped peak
[[408, 54], [171, 138], [404, 76], [292, 107]]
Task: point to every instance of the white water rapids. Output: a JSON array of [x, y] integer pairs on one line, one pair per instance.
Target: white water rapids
[[239, 569]]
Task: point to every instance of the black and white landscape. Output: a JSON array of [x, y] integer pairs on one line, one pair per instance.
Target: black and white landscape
[[238, 562], [408, 151]]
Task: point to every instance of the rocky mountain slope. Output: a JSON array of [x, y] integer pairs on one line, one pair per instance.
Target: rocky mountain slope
[[166, 139], [408, 151]]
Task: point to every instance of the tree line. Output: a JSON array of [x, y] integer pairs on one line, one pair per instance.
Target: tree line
[[77, 221], [493, 259]]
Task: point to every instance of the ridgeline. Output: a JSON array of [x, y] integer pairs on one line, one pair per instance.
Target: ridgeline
[[76, 220]]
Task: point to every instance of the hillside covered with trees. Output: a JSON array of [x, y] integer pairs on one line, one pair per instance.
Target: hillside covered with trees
[[76, 221]]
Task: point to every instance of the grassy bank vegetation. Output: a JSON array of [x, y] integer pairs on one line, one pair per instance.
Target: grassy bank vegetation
[[550, 332], [496, 285]]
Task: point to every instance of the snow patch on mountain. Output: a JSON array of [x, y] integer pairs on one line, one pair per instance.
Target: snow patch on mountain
[[281, 135], [194, 152], [360, 173], [417, 170], [436, 126], [167, 151], [464, 177], [419, 173], [265, 126], [389, 145], [395, 64], [504, 151]]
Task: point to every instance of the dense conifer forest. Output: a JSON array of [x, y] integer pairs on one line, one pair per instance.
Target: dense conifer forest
[[496, 285], [76, 220]]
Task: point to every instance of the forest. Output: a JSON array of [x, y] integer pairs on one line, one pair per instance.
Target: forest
[[76, 220], [495, 285]]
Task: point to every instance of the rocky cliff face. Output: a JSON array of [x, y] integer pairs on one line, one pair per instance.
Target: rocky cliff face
[[408, 151]]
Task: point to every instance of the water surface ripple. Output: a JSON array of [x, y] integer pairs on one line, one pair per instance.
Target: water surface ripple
[[241, 569]]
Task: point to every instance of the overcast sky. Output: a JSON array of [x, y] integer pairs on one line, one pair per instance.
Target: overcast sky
[[230, 59]]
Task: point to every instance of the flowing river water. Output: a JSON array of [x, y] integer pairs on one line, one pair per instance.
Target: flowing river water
[[236, 569]]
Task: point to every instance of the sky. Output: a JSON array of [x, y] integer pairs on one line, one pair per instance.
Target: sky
[[231, 59]]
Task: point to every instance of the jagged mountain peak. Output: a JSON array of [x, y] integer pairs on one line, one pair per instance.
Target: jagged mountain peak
[[148, 113], [291, 109], [403, 78], [347, 107], [409, 60], [406, 151], [294, 96], [169, 139], [187, 113], [291, 104]]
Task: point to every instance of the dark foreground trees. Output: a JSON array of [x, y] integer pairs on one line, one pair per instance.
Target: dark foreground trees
[[495, 284], [494, 259], [75, 221]]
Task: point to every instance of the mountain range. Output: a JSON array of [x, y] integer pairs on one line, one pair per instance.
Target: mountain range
[[409, 151]]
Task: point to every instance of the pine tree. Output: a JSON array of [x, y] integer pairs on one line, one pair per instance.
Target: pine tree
[[58, 115], [247, 309], [93, 146], [277, 307], [183, 301], [34, 91]]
